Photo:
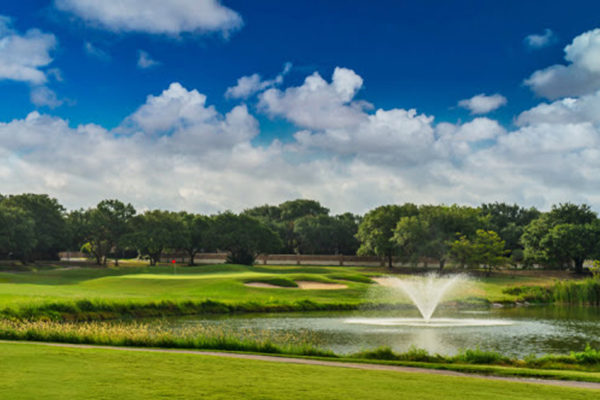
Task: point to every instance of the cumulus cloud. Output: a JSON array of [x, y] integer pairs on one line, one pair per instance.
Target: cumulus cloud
[[171, 17], [145, 61], [317, 104], [42, 96], [581, 76], [177, 151], [23, 56], [483, 104], [540, 40], [248, 85]]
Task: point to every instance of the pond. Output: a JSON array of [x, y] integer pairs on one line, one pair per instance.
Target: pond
[[514, 331]]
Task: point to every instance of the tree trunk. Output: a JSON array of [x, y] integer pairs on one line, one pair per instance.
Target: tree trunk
[[390, 261], [442, 263], [191, 254], [578, 265]]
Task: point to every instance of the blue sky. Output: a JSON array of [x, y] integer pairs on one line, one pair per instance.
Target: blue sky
[[425, 55]]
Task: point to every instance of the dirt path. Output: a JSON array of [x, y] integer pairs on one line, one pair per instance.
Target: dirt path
[[290, 360]]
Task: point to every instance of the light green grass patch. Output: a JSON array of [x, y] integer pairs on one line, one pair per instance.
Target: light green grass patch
[[30, 371]]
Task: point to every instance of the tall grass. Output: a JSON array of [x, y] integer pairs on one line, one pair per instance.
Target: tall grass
[[160, 335], [91, 310], [584, 292]]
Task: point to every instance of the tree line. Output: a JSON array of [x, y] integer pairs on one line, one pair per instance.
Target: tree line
[[38, 227]]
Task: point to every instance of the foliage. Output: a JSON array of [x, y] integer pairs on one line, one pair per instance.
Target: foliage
[[50, 226], [243, 237], [431, 232], [595, 269], [17, 232], [509, 221], [108, 227], [323, 234], [155, 231], [568, 233], [195, 234], [376, 231]]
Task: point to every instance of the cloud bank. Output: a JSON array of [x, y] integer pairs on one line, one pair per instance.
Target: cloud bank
[[178, 151]]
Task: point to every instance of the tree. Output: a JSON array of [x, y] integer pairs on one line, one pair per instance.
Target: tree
[[322, 234], [195, 234], [486, 248], [155, 231], [567, 234], [17, 233], [282, 218], [434, 229], [108, 226], [489, 250], [243, 237], [77, 228], [50, 226], [376, 231], [509, 221]]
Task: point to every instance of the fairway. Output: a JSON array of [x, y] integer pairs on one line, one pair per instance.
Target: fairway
[[224, 283], [110, 374]]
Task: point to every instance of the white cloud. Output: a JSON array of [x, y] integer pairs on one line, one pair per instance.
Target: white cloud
[[581, 76], [482, 103], [176, 151], [95, 52], [170, 17], [145, 61], [540, 40], [248, 85], [318, 104], [22, 56], [42, 96]]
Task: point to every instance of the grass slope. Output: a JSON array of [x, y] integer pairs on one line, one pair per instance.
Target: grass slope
[[31, 371]]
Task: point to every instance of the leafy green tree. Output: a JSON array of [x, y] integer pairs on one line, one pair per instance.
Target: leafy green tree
[[432, 232], [195, 234], [108, 226], [50, 226], [567, 234], [77, 228], [243, 237], [323, 234], [376, 231], [487, 248], [17, 233], [509, 221], [156, 231]]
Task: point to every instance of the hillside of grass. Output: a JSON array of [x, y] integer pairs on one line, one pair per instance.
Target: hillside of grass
[[110, 374]]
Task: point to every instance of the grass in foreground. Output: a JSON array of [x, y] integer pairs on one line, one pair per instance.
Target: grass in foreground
[[583, 365], [31, 371]]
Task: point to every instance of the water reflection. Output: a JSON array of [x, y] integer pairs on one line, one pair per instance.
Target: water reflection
[[516, 332]]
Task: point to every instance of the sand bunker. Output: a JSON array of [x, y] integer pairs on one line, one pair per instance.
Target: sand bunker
[[304, 285], [309, 285], [265, 285], [383, 281]]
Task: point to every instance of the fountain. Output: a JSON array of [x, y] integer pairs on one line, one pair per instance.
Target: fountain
[[426, 293]]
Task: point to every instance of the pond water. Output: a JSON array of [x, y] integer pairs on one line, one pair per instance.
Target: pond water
[[514, 331]]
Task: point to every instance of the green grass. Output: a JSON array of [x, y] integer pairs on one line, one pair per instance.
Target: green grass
[[29, 371], [137, 290]]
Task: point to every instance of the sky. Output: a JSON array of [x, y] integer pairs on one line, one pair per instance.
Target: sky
[[207, 105]]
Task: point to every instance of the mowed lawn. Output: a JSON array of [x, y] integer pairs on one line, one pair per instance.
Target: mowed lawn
[[144, 284], [223, 283], [30, 371]]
